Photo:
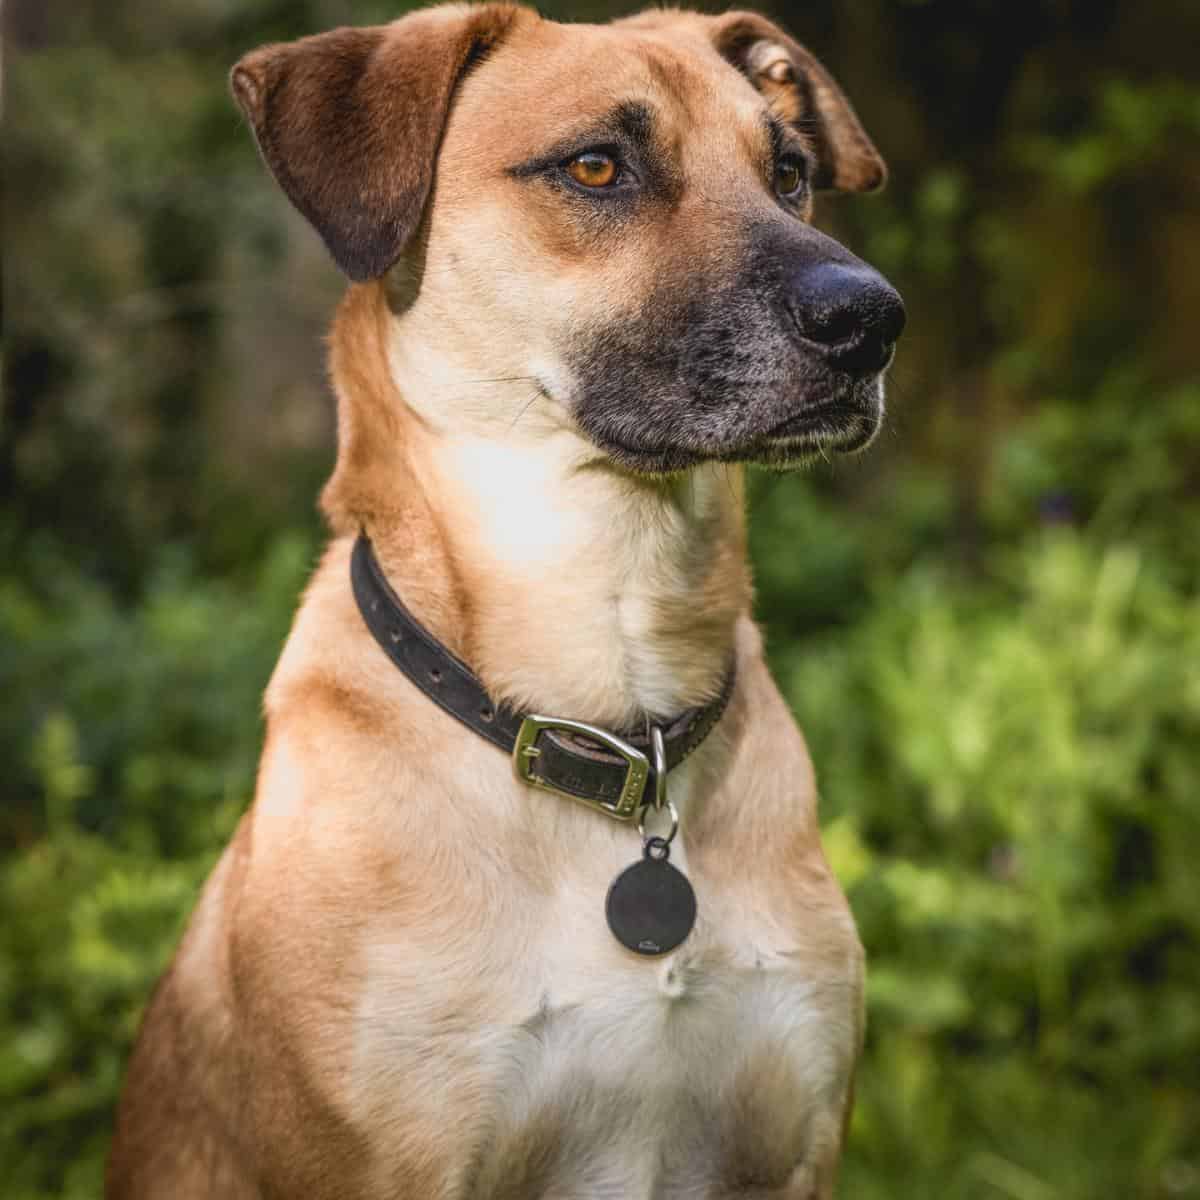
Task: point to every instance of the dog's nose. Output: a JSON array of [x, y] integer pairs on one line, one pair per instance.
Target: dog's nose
[[850, 311]]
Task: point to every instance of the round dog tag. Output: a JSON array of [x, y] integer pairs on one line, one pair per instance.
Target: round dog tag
[[651, 907]]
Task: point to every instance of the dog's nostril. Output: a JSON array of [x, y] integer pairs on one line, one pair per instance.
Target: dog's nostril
[[829, 326], [864, 356]]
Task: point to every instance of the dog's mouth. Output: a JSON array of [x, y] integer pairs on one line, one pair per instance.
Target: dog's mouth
[[842, 425], [816, 430]]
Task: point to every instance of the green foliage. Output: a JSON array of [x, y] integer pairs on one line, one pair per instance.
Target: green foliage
[[1010, 781], [989, 626], [131, 758]]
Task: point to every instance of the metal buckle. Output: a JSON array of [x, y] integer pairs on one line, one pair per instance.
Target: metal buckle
[[527, 750]]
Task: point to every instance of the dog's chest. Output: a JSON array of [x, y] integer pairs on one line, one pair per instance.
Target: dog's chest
[[720, 1070], [706, 1083]]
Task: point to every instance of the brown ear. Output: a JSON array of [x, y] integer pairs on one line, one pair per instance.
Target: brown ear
[[350, 121], [800, 91]]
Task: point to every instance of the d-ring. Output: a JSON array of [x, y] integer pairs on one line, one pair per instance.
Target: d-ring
[[658, 758], [674, 814]]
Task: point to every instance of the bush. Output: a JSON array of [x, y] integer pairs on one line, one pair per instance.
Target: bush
[[1009, 778], [136, 749]]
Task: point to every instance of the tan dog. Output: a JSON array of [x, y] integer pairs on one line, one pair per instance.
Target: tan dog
[[586, 292]]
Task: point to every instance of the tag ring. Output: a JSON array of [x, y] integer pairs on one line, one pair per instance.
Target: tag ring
[[658, 758], [667, 839]]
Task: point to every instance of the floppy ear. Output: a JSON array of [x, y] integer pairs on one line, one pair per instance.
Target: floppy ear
[[801, 92], [350, 121]]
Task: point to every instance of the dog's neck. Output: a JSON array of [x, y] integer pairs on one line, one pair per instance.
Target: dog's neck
[[569, 587]]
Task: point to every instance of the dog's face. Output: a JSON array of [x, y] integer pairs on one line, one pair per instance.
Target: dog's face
[[616, 214]]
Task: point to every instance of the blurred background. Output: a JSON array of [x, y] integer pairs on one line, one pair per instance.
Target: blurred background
[[988, 626]]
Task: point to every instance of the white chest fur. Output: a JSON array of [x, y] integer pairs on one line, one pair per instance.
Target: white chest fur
[[692, 1080], [570, 1068]]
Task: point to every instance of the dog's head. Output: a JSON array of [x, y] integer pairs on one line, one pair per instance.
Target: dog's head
[[618, 215]]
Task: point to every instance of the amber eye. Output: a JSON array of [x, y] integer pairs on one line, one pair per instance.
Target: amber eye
[[593, 169], [789, 176]]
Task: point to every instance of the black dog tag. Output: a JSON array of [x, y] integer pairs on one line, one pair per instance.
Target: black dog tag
[[651, 907]]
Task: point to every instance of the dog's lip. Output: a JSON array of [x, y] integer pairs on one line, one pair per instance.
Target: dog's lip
[[812, 418], [843, 423], [835, 424], [799, 437]]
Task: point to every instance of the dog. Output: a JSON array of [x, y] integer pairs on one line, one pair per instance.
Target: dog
[[437, 960]]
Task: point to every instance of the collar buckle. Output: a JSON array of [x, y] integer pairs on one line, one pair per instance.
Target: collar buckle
[[526, 752]]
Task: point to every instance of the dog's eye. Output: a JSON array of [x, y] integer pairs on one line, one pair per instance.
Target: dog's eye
[[789, 177], [593, 169]]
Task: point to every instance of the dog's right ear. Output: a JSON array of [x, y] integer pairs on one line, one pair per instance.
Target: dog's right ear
[[801, 92], [350, 122]]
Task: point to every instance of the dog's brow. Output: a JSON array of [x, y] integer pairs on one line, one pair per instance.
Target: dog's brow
[[636, 122], [630, 123], [777, 134], [783, 139]]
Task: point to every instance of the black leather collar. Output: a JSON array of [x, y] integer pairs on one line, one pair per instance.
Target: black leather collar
[[562, 761]]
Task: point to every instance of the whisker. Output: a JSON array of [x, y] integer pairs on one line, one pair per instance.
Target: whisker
[[504, 379], [525, 408]]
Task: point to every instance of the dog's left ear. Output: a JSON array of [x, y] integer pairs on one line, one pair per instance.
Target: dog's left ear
[[350, 122], [801, 92]]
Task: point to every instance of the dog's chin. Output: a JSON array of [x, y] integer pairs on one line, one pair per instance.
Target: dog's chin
[[811, 433], [815, 434]]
